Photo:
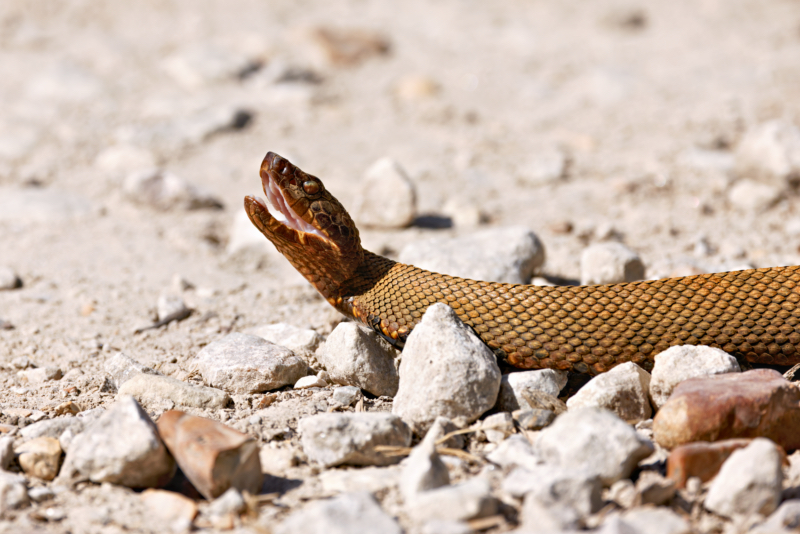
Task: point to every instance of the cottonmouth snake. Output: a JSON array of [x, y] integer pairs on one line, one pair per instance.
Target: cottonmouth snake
[[752, 314]]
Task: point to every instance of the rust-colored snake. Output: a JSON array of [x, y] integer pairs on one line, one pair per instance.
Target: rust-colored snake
[[753, 314]]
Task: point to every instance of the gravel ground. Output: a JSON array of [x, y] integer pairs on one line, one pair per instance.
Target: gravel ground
[[667, 126]]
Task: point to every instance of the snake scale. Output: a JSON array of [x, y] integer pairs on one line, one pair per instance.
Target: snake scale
[[751, 314]]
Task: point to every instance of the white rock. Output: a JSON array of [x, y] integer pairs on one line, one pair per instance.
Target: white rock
[[53, 428], [171, 307], [543, 167], [786, 517], [651, 520], [350, 438], [199, 126], [423, 470], [460, 502], [752, 196], [165, 191], [580, 489], [446, 370], [682, 362], [514, 450], [310, 381], [593, 439], [514, 386], [202, 63], [122, 447], [387, 197], [346, 395], [498, 427], [344, 514], [241, 363], [156, 388], [304, 342], [463, 214], [120, 368], [355, 355], [624, 390], [41, 205], [771, 151], [610, 263], [39, 375], [13, 493], [537, 516], [510, 255], [122, 158], [8, 278], [749, 482], [371, 479]]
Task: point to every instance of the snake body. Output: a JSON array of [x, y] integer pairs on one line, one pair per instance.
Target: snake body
[[753, 314]]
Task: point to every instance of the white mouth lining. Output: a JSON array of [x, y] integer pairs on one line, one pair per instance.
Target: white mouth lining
[[279, 208]]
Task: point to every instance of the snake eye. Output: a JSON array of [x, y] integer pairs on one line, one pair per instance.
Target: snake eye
[[311, 187]]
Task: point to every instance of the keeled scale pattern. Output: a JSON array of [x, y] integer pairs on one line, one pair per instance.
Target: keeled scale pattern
[[751, 314]]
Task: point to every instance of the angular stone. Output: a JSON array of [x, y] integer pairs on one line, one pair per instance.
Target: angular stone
[[346, 395], [344, 514], [39, 375], [6, 452], [534, 419], [514, 450], [171, 509], [13, 493], [387, 197], [460, 502], [310, 381], [350, 438], [682, 362], [593, 439], [121, 446], [700, 459], [537, 516], [120, 368], [539, 400], [514, 386], [758, 403], [652, 488], [650, 520], [213, 457], [355, 355], [580, 489], [371, 479], [510, 255], [52, 428], [156, 388], [610, 263], [171, 307], [623, 390], [423, 470], [446, 370], [241, 363], [498, 427], [40, 457], [754, 197], [749, 482], [304, 342]]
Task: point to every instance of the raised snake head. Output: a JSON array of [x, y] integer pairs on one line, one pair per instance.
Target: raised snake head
[[307, 225]]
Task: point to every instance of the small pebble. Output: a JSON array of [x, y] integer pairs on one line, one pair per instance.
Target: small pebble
[[497, 427], [515, 386], [346, 395], [171, 509], [543, 167], [13, 493], [171, 306], [460, 502], [165, 191], [623, 390], [387, 197], [770, 151], [423, 470], [304, 342], [310, 381], [39, 375], [9, 279], [754, 197], [157, 388], [610, 263], [41, 494]]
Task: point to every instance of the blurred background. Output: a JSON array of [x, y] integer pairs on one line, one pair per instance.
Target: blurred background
[[129, 133]]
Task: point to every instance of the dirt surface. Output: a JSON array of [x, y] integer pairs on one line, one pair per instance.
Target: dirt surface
[[639, 106]]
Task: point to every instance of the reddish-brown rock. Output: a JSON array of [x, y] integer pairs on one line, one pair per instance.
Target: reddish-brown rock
[[759, 403], [213, 457]]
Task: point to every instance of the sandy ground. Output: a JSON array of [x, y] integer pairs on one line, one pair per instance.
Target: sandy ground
[[640, 104]]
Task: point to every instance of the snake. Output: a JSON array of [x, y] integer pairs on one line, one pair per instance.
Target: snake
[[752, 314]]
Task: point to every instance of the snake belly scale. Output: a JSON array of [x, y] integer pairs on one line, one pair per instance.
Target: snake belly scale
[[752, 314]]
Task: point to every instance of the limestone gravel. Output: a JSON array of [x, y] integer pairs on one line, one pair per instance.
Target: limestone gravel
[[344, 514], [610, 263], [514, 387], [156, 388], [623, 390]]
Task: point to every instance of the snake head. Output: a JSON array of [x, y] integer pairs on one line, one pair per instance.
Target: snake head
[[306, 224]]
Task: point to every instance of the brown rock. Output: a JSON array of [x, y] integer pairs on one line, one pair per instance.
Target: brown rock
[[759, 403], [213, 457], [40, 457], [700, 459]]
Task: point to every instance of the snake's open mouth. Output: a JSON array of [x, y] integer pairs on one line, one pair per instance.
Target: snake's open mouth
[[278, 206]]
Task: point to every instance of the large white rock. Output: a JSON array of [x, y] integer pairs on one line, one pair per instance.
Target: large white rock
[[304, 342], [511, 255], [610, 263], [387, 197], [749, 482], [355, 355], [682, 362], [350, 438], [624, 390], [344, 514], [241, 363], [594, 439], [446, 370], [514, 386]]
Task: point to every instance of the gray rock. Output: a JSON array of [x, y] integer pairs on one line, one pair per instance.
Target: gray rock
[[304, 342], [650, 520], [682, 362], [41, 205], [536, 516], [344, 514], [610, 263], [514, 450], [754, 197], [770, 151], [580, 489], [514, 387], [6, 451], [52, 428], [8, 278], [786, 517], [122, 447], [749, 482], [241, 363], [355, 355], [165, 191], [498, 427], [446, 370], [350, 438], [387, 197], [156, 388], [121, 368], [511, 255], [624, 390], [423, 470], [39, 375], [533, 419], [460, 502], [13, 493], [593, 439], [171, 307], [346, 395]]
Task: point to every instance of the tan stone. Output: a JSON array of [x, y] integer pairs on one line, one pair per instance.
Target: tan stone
[[40, 457], [175, 510]]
